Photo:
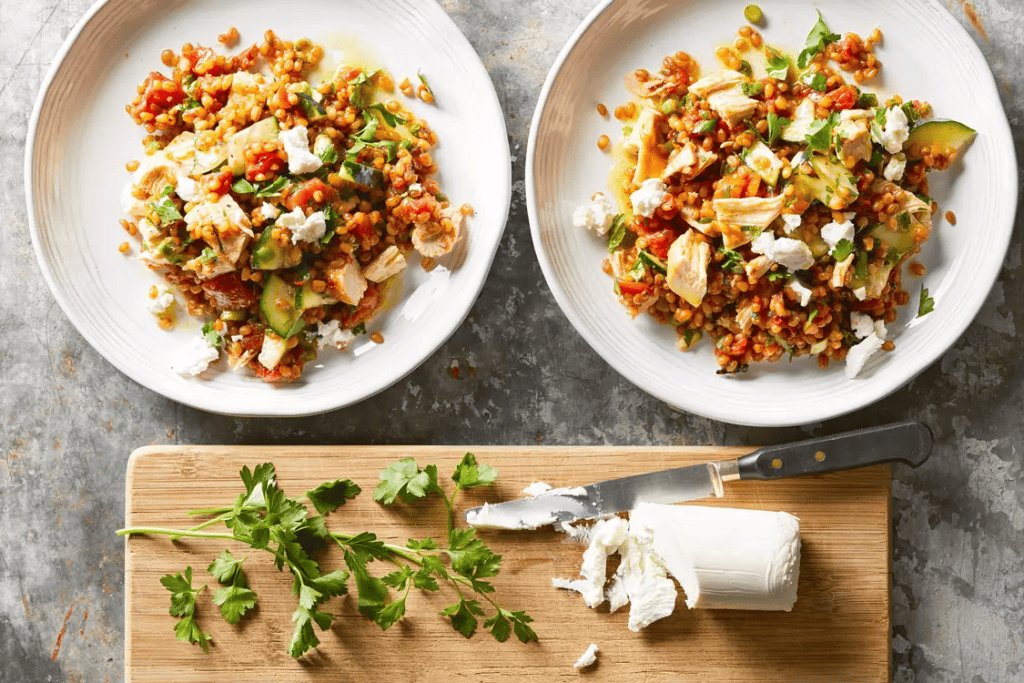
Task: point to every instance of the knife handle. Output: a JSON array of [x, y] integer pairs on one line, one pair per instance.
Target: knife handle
[[908, 442]]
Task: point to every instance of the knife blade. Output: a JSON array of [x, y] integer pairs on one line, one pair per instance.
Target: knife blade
[[908, 442]]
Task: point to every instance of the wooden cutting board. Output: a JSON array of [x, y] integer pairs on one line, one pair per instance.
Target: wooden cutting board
[[838, 632]]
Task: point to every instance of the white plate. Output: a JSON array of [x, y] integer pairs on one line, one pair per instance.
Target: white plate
[[926, 55], [80, 138]]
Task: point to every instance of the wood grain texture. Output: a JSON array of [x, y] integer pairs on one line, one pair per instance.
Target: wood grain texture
[[838, 632]]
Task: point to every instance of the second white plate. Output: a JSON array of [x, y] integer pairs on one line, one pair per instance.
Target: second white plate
[[926, 55]]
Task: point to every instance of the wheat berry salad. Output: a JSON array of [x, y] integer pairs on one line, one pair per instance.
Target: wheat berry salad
[[772, 206], [279, 200]]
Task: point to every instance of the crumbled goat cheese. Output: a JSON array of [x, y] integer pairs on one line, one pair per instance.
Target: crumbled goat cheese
[[834, 233], [803, 292], [861, 324], [164, 300], [859, 354], [895, 132], [606, 537], [597, 216], [648, 198], [269, 211], [861, 293], [588, 658], [304, 228], [186, 188], [536, 488], [331, 334], [894, 169], [791, 221], [194, 357], [790, 253], [296, 146]]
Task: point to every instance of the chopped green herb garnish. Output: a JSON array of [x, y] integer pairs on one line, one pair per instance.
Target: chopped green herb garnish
[[752, 89], [207, 256], [746, 69], [423, 80], [913, 115], [359, 329], [778, 63], [772, 277], [842, 249], [243, 186], [688, 337], [390, 119], [867, 100], [926, 304], [274, 188], [164, 207], [733, 261], [616, 233], [820, 137], [705, 126], [669, 106], [775, 125], [815, 81], [903, 220], [817, 39]]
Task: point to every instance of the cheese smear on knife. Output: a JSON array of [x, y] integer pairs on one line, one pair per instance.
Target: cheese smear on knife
[[723, 558]]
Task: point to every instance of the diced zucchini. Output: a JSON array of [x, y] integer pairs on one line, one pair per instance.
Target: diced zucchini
[[267, 254], [278, 307], [763, 162], [362, 176], [235, 316], [306, 298], [943, 137], [208, 160], [898, 240], [836, 176], [261, 131], [311, 107], [652, 261]]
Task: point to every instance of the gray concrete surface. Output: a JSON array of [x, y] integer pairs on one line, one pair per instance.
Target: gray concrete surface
[[69, 419]]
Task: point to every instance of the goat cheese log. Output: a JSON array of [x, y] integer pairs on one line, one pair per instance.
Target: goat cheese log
[[726, 558]]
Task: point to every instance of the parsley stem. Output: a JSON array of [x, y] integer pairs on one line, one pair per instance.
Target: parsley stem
[[173, 532]]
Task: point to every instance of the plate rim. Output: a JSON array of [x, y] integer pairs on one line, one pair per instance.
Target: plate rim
[[881, 389], [212, 403]]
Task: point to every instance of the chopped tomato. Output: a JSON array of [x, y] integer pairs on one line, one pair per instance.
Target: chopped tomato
[[364, 311], [159, 95], [266, 375], [227, 291], [306, 194], [220, 183], [844, 97], [632, 288], [264, 166], [658, 243]]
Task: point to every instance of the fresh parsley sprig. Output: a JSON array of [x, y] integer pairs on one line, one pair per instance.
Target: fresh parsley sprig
[[264, 518]]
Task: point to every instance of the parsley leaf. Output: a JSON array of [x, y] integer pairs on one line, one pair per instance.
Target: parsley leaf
[[405, 481], [778, 64], [866, 100], [751, 89], [164, 207], [234, 601], [359, 329], [462, 616], [211, 335], [815, 81], [926, 304], [331, 495], [274, 188], [775, 125], [207, 256], [817, 39], [243, 186], [617, 233], [470, 475], [183, 604], [390, 119], [733, 261], [423, 80], [819, 139], [842, 249], [706, 126]]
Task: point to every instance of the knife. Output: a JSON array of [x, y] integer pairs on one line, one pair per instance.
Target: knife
[[908, 442]]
